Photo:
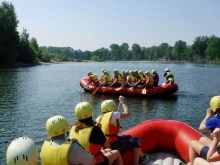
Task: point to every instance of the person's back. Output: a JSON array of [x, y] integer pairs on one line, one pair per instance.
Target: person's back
[[169, 76], [58, 150], [149, 80], [155, 77], [110, 121]]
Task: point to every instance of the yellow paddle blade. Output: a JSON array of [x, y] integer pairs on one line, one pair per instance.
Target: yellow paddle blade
[[117, 89], [144, 91], [104, 89], [131, 88]]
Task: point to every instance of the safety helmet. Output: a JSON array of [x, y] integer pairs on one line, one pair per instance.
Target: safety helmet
[[89, 73], [135, 71], [167, 70], [22, 151], [115, 71], [83, 110], [103, 70], [140, 72], [131, 71], [153, 71], [108, 106], [127, 72], [147, 72], [123, 71], [215, 103], [57, 125]]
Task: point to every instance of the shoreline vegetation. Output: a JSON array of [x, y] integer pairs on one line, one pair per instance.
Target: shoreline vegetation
[[22, 64]]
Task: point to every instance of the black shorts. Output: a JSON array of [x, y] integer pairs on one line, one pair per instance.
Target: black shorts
[[104, 162], [125, 142], [203, 152]]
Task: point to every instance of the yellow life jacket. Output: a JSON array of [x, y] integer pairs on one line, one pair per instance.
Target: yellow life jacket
[[83, 137], [131, 81], [142, 78], [94, 77], [110, 130], [55, 155], [119, 78], [108, 80]]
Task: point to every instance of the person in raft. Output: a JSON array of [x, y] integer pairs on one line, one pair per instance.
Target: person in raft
[[155, 77], [205, 151], [169, 76], [149, 80], [117, 79], [61, 151], [110, 121], [91, 137], [22, 151], [93, 78], [212, 118]]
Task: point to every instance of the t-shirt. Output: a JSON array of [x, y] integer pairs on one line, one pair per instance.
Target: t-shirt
[[77, 154], [212, 123], [115, 115]]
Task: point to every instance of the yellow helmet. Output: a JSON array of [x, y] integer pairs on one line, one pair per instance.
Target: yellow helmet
[[56, 125], [103, 70], [147, 72], [83, 110], [140, 72], [22, 151], [131, 71], [215, 103], [153, 71], [89, 73], [108, 106]]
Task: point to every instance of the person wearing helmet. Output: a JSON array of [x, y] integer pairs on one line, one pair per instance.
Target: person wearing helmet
[[93, 78], [91, 137], [210, 122], [61, 151], [139, 83], [155, 77], [110, 121], [106, 80], [169, 76], [123, 76], [205, 151], [117, 79], [22, 151], [129, 78], [149, 80]]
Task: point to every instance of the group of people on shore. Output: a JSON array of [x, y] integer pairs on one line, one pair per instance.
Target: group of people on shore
[[132, 78], [89, 142]]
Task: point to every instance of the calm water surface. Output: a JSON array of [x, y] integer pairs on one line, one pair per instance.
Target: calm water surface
[[30, 95]]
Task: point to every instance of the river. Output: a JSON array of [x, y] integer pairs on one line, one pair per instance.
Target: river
[[30, 95]]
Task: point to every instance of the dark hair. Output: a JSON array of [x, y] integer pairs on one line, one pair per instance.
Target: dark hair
[[81, 124]]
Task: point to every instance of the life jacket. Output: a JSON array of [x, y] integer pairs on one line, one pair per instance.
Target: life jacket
[[55, 155], [110, 130], [142, 78], [131, 81], [157, 78], [149, 80], [119, 78], [170, 76], [95, 79], [108, 80], [83, 137]]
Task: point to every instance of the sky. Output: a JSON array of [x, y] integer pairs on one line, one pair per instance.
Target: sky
[[93, 24]]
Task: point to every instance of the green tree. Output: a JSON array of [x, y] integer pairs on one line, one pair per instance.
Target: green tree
[[35, 47], [125, 50], [9, 37], [115, 51], [136, 51], [199, 46], [179, 50], [213, 49]]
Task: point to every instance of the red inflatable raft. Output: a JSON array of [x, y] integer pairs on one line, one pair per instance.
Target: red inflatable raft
[[167, 139], [165, 89]]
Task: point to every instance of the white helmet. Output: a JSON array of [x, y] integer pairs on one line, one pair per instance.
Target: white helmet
[[167, 70], [22, 151]]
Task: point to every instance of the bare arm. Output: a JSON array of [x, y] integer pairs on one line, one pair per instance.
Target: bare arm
[[212, 154], [107, 144], [126, 113], [209, 114]]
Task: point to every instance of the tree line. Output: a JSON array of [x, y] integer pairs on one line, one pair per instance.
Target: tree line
[[15, 46]]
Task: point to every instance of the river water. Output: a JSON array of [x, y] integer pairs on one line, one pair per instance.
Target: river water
[[30, 95]]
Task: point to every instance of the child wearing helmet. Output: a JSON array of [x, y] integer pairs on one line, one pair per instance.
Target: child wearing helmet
[[22, 151], [59, 150], [169, 76], [91, 137], [110, 121], [210, 122]]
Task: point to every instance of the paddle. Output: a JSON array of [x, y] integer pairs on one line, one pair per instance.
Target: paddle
[[131, 88], [105, 89], [118, 89], [144, 91], [96, 90]]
